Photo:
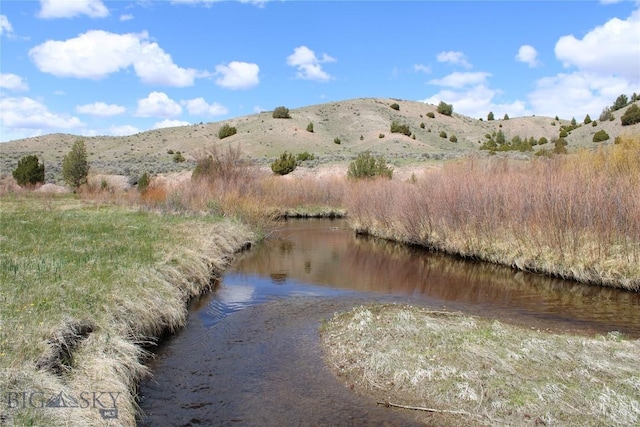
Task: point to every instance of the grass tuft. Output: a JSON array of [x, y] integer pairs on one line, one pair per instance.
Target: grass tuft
[[491, 373]]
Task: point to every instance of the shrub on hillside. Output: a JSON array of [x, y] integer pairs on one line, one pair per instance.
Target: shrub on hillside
[[587, 119], [75, 167], [422, 125], [606, 114], [542, 141], [368, 166], [398, 128], [281, 113], [444, 108], [443, 134], [600, 136], [285, 164], [431, 115], [559, 147], [304, 156], [226, 131], [453, 138], [29, 171], [631, 116], [310, 127], [336, 140], [178, 157], [395, 106], [381, 135], [506, 117]]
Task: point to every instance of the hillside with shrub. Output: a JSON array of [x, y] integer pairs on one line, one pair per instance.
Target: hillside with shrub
[[402, 131]]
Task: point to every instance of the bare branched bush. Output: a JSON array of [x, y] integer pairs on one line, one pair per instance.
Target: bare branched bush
[[228, 166], [581, 220]]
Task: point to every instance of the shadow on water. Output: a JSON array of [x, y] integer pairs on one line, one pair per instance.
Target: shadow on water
[[250, 353]]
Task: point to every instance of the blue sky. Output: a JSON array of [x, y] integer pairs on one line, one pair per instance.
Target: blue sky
[[97, 67]]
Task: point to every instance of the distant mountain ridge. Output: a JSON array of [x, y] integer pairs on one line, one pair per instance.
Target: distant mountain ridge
[[360, 124]]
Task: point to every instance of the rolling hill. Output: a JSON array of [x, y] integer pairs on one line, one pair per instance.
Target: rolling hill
[[358, 123]]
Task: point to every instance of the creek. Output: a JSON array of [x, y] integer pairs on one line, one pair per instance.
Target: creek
[[250, 353]]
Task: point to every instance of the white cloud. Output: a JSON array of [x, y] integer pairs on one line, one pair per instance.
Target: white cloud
[[5, 26], [27, 113], [308, 65], [422, 68], [528, 54], [124, 130], [458, 79], [126, 17], [96, 54], [170, 124], [454, 57], [155, 66], [71, 8], [158, 104], [477, 101], [100, 109], [200, 107], [610, 49], [238, 75], [13, 82], [576, 94]]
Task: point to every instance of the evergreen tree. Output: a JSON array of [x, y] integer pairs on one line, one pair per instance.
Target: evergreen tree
[[490, 116], [75, 167], [29, 171], [621, 102]]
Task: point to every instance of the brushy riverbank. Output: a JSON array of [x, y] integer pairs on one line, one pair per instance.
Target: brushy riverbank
[[575, 216], [454, 369], [84, 286]]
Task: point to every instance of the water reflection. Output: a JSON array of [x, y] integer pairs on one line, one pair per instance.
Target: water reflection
[[327, 253]]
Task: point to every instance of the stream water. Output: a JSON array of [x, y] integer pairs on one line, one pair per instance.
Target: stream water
[[250, 353]]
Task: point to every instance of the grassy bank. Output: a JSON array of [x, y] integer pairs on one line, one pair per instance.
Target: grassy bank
[[470, 371], [572, 216], [83, 285]]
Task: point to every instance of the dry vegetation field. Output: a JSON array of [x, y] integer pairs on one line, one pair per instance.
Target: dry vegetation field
[[572, 216]]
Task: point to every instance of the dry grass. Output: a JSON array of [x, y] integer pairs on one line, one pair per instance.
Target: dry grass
[[230, 187], [571, 216], [495, 374], [84, 285]]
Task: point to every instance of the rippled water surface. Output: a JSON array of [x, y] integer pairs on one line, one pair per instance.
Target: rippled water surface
[[250, 353]]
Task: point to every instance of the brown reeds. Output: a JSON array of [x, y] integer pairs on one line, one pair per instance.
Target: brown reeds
[[572, 216]]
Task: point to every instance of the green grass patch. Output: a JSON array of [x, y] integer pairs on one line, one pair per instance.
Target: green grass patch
[[120, 275]]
